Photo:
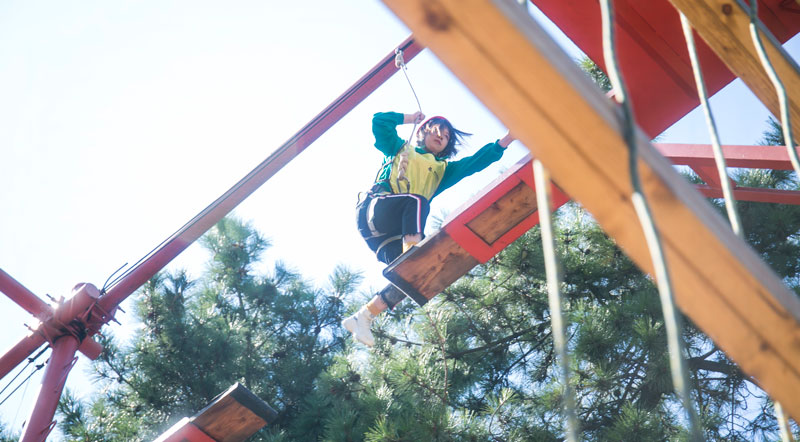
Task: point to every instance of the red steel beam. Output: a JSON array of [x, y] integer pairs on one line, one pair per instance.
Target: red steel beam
[[206, 219], [184, 431], [24, 297], [752, 157], [755, 194], [169, 249], [652, 52], [40, 423]]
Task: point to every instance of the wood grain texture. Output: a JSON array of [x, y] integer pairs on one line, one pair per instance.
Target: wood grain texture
[[522, 76], [505, 213], [725, 27]]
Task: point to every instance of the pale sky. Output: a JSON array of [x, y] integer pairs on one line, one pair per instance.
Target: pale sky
[[119, 121]]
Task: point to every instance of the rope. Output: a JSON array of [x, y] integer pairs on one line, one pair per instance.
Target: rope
[[778, 84], [719, 158], [543, 202], [672, 322], [400, 63], [24, 381], [31, 360], [786, 124], [286, 146]]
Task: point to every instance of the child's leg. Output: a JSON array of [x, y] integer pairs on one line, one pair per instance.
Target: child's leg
[[384, 219]]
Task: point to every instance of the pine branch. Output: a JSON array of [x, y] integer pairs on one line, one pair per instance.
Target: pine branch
[[492, 344], [435, 326]]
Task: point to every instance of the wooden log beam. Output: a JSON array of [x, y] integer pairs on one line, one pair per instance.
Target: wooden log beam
[[724, 25], [512, 65]]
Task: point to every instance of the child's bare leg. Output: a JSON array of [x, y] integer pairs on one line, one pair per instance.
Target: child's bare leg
[[376, 306], [410, 241]]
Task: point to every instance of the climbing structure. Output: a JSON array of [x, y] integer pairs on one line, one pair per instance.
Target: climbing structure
[[515, 68], [521, 74]]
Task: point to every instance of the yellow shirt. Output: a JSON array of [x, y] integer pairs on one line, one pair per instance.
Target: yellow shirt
[[424, 173]]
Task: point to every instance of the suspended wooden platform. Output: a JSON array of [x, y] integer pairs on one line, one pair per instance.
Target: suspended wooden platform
[[233, 416], [483, 226], [521, 75], [506, 208]]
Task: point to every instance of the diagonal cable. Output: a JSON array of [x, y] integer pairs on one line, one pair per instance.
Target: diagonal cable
[[672, 321], [543, 204], [719, 158], [783, 99]]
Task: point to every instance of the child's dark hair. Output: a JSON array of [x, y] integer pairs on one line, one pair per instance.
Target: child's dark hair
[[456, 136]]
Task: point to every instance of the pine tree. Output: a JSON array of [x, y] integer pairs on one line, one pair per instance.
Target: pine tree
[[273, 333]]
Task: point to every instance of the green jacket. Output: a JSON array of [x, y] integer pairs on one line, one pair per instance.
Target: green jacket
[[424, 170]]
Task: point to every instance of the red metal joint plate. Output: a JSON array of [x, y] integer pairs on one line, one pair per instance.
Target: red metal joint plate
[[185, 431]]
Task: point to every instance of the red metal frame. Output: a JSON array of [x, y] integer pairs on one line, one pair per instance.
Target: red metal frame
[[652, 52], [184, 431], [697, 156], [83, 315], [654, 60], [457, 225], [700, 158]]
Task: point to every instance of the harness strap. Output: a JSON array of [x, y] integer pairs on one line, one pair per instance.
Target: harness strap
[[387, 241]]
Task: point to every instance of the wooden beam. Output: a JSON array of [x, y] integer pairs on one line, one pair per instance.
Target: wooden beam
[[512, 65], [233, 416], [724, 25], [494, 218]]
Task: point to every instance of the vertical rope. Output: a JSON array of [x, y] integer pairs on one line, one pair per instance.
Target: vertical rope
[[543, 204], [400, 63], [778, 84], [672, 322], [783, 423], [719, 158], [786, 123]]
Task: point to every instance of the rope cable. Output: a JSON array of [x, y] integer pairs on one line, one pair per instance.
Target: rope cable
[[788, 138], [400, 63], [672, 321], [31, 360], [543, 202], [719, 158], [24, 382], [289, 144], [777, 83]]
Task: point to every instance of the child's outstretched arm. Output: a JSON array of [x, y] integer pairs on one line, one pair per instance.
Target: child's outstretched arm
[[506, 140]]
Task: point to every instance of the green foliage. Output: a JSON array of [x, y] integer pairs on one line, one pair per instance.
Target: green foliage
[[274, 333], [595, 73], [475, 364], [6, 435]]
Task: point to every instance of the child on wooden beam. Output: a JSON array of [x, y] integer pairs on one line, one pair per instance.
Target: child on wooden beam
[[391, 215]]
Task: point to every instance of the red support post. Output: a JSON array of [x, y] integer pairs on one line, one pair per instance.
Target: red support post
[[62, 359]]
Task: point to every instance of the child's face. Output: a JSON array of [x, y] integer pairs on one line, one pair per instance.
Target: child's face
[[436, 138]]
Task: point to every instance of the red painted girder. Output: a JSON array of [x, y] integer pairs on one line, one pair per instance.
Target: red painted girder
[[206, 219], [456, 225], [184, 431], [62, 359], [24, 297], [775, 196], [17, 354], [59, 323], [652, 52], [753, 157]]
